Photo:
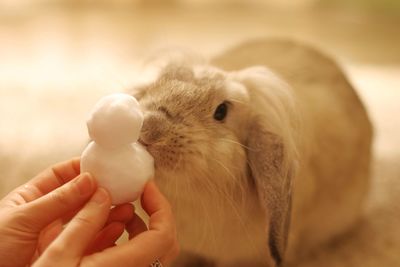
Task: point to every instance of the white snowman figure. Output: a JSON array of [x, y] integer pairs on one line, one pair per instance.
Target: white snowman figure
[[118, 162]]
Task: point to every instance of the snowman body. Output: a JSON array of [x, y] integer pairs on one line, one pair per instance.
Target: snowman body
[[118, 162]]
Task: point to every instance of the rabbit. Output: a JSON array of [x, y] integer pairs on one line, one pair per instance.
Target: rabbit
[[264, 152]]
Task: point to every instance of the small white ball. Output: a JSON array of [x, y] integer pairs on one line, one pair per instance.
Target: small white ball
[[115, 120], [122, 171]]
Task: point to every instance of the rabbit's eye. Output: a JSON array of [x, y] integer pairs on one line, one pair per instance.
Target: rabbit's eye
[[220, 112]]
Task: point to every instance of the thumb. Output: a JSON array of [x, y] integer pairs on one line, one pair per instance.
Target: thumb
[[70, 196]]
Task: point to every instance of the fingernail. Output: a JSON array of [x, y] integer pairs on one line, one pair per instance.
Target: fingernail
[[84, 184], [100, 196]]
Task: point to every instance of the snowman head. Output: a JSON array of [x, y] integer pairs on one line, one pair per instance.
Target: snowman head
[[115, 121]]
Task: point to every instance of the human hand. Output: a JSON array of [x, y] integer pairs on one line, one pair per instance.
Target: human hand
[[143, 248], [31, 217]]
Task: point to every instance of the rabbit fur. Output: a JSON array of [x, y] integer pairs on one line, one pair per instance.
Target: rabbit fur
[[285, 171]]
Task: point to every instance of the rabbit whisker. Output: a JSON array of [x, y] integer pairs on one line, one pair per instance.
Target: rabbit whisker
[[231, 202], [238, 143]]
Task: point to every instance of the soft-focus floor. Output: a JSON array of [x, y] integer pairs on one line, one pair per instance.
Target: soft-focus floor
[[56, 62]]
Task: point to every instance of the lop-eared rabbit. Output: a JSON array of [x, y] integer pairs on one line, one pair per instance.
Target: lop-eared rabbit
[[263, 152]]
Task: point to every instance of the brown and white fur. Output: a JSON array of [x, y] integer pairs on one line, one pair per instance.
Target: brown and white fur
[[293, 149]]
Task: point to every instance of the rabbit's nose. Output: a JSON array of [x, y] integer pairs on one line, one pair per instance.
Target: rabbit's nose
[[153, 129]]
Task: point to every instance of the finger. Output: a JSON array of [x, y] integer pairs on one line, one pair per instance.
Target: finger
[[107, 237], [42, 211], [158, 208], [67, 217], [139, 251], [115, 225], [56, 176], [148, 246], [82, 229], [45, 182], [121, 213], [135, 226], [48, 235], [172, 254]]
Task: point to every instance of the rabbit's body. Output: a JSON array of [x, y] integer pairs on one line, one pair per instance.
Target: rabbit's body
[[335, 153], [333, 177], [231, 182]]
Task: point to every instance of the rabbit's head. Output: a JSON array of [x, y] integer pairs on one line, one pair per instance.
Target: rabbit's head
[[227, 131]]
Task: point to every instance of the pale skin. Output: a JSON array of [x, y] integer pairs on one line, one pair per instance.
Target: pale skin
[[33, 218]]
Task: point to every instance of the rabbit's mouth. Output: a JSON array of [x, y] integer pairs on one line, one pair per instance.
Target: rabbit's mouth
[[166, 158], [174, 157], [143, 143]]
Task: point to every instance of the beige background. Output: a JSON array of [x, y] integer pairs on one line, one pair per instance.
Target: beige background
[[58, 57]]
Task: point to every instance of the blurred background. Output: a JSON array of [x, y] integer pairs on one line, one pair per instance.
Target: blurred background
[[57, 58]]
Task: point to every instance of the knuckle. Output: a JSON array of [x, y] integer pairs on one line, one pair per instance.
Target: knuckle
[[168, 206], [93, 261], [55, 252], [169, 233], [83, 221], [22, 220], [170, 238], [169, 217], [61, 197], [166, 240], [176, 250], [169, 210]]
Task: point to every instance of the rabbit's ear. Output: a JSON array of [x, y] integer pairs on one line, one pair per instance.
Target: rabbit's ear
[[273, 182], [272, 150]]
